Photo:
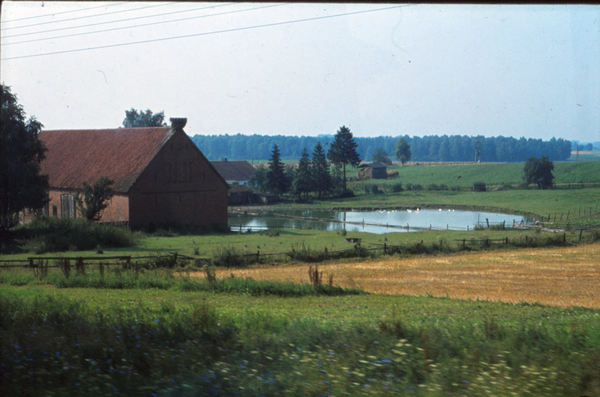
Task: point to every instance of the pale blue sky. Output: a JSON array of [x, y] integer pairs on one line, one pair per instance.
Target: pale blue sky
[[513, 70]]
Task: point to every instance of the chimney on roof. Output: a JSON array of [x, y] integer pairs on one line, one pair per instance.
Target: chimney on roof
[[177, 123]]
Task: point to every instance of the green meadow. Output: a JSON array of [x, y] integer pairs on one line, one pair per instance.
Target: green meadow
[[154, 329], [173, 342], [464, 175]]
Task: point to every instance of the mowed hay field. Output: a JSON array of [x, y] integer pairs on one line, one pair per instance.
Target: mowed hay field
[[561, 277]]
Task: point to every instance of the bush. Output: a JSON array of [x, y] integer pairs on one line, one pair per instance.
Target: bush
[[397, 188], [432, 186], [479, 187], [375, 190], [346, 194], [62, 234], [443, 187], [416, 186]]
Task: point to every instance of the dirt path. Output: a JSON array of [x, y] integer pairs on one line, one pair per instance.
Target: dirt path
[[561, 277]]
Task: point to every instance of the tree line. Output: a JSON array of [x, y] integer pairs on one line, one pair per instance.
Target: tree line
[[427, 148]]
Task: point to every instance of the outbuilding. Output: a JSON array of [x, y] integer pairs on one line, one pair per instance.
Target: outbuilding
[[161, 177], [372, 171]]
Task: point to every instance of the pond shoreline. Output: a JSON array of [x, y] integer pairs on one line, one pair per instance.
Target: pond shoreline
[[291, 206]]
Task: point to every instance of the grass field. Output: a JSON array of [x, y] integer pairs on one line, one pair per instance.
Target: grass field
[[505, 321], [492, 174], [563, 277]]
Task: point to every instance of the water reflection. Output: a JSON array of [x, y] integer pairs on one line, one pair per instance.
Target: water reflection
[[377, 222]]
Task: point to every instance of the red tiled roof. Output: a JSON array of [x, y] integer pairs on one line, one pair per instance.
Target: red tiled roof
[[234, 170], [122, 154]]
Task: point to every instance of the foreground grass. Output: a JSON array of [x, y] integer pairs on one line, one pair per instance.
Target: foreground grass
[[147, 341]]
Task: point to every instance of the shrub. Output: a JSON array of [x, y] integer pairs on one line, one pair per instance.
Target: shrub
[[397, 188], [432, 186], [409, 186], [479, 187], [375, 189], [443, 187], [416, 186], [62, 234]]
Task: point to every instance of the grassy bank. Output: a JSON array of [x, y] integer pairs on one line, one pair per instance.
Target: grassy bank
[[144, 342]]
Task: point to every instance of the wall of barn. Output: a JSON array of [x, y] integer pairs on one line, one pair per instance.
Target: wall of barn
[[117, 211], [178, 186]]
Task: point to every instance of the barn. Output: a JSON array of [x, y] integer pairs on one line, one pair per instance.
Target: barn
[[161, 177]]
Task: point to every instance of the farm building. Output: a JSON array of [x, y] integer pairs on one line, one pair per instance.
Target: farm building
[[160, 175], [372, 171], [234, 172]]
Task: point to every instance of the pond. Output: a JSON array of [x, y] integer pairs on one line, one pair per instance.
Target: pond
[[378, 222]]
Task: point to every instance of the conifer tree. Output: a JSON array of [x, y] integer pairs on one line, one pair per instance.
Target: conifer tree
[[343, 150], [322, 183], [303, 177], [277, 181]]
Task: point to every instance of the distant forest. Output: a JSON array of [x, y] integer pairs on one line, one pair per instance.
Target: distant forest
[[427, 148]]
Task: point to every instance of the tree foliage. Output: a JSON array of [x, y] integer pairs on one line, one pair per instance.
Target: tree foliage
[[135, 118], [322, 182], [303, 179], [539, 171], [343, 150], [21, 152], [259, 180], [402, 152], [381, 156], [277, 180], [95, 198], [427, 148]]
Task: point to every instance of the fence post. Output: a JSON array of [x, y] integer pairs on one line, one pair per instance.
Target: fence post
[[257, 255], [30, 262], [464, 241], [580, 234], [407, 227], [467, 228], [488, 222], [506, 241], [384, 248], [568, 214], [564, 237]]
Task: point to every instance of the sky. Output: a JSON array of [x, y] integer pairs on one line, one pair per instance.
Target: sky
[[306, 69]]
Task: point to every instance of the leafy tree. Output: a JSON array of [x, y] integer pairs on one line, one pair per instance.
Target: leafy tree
[[539, 171], [95, 199], [381, 156], [402, 153], [343, 150], [134, 118], [21, 152], [258, 179], [303, 179], [277, 180], [322, 183]]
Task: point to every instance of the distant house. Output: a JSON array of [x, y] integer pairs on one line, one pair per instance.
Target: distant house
[[234, 172], [372, 171], [240, 195], [160, 175]]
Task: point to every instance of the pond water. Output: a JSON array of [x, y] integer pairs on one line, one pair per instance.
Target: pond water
[[377, 222]]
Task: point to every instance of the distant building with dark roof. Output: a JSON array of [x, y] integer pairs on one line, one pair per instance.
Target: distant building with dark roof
[[234, 171], [160, 175], [372, 171]]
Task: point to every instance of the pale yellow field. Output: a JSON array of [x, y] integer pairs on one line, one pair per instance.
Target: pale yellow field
[[561, 277]]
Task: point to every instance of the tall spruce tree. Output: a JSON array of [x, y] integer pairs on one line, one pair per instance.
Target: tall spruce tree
[[343, 150], [322, 183], [303, 178], [277, 180]]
